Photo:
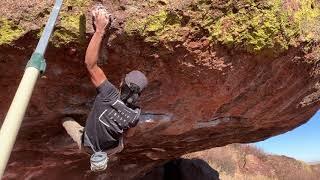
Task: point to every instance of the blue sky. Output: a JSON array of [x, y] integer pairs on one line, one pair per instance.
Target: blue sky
[[302, 143]]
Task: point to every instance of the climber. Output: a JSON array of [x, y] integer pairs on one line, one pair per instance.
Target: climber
[[114, 113]]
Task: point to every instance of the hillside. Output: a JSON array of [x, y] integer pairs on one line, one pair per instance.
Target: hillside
[[245, 162]]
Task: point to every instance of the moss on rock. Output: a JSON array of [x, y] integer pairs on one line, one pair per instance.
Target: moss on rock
[[250, 25], [82, 4], [254, 30], [266, 25], [308, 19], [9, 31], [72, 26], [164, 25], [71, 30]]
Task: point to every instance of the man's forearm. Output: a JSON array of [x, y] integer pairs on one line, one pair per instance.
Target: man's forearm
[[93, 49]]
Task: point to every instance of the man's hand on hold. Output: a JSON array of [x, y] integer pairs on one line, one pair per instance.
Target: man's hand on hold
[[102, 20]]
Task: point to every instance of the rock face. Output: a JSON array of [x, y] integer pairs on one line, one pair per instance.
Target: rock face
[[220, 72]]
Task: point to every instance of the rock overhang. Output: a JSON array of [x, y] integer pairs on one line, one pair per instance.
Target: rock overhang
[[209, 93]]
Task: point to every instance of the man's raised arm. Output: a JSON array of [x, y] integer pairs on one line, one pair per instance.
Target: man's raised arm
[[96, 74]]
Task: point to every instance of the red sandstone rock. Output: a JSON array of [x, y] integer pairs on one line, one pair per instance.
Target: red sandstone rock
[[207, 96]]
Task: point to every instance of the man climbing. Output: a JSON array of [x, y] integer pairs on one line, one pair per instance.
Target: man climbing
[[113, 113]]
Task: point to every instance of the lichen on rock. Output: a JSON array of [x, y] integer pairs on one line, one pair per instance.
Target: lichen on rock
[[164, 25], [9, 31], [255, 29], [72, 26], [308, 19], [70, 30], [255, 26], [80, 4], [249, 25]]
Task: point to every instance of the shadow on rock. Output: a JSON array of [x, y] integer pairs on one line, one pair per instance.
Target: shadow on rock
[[183, 169]]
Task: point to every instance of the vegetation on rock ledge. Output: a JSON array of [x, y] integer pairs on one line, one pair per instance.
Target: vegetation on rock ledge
[[266, 25], [246, 24], [71, 30], [164, 25], [250, 25], [9, 31], [72, 26]]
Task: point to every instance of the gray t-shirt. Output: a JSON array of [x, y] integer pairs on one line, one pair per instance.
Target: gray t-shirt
[[103, 137]]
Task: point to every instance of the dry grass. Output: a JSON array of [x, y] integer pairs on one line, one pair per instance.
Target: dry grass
[[246, 162], [218, 158]]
